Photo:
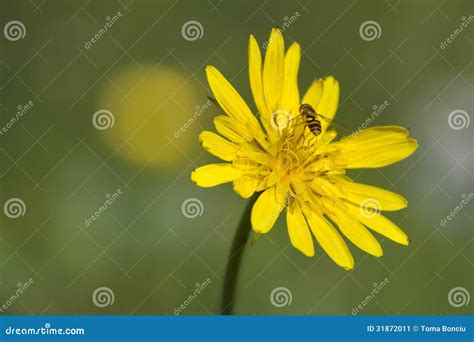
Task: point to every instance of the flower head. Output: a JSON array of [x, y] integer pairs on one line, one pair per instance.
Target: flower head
[[276, 153]]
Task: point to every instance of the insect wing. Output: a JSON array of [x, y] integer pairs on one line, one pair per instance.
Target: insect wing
[[334, 122]]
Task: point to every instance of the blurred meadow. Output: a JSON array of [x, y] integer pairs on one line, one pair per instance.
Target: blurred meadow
[[110, 117]]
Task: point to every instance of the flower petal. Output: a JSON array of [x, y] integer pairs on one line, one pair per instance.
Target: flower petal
[[327, 106], [371, 196], [290, 98], [329, 239], [232, 129], [266, 209], [218, 146], [255, 76], [314, 93], [230, 100], [298, 231], [245, 186], [375, 147], [215, 174], [273, 70], [380, 224], [357, 233]]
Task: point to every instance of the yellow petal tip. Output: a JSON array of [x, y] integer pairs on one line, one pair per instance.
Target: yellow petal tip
[[210, 69], [276, 30], [192, 177]]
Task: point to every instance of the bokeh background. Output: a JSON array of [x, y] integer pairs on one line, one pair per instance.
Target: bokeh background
[[150, 77]]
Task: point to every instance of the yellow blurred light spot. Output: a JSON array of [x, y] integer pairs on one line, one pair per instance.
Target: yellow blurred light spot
[[148, 105]]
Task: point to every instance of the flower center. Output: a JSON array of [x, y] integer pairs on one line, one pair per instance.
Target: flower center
[[290, 162]]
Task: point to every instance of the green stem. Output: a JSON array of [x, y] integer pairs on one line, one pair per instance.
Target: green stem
[[235, 257]]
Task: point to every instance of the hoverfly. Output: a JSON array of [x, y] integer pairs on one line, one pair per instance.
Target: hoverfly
[[311, 119]]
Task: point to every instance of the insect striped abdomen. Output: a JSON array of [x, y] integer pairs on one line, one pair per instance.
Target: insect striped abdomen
[[311, 119], [314, 125]]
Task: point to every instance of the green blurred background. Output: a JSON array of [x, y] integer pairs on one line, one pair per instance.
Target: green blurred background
[[144, 71]]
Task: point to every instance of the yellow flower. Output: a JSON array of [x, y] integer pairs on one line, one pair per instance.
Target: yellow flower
[[296, 170]]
